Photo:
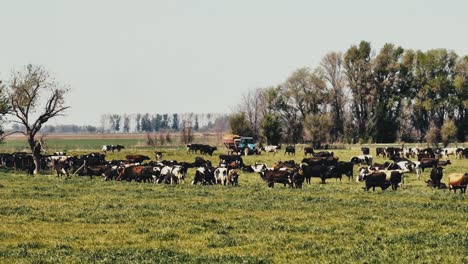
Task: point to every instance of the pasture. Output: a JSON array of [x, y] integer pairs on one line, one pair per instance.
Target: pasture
[[45, 219]]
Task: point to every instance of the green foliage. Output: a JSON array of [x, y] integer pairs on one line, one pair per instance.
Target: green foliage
[[318, 128], [433, 135], [271, 126], [239, 125], [448, 132]]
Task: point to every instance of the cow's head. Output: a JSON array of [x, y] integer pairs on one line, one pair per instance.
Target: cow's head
[[363, 173]]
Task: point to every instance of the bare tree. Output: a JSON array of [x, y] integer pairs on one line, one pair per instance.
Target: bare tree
[[251, 105], [333, 72], [27, 90]]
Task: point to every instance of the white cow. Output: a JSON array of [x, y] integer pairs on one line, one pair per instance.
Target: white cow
[[449, 151], [220, 175], [270, 148]]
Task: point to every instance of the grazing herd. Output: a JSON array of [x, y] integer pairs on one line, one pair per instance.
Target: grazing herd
[[323, 165]]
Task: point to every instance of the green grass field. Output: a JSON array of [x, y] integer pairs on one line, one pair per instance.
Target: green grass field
[[79, 220]]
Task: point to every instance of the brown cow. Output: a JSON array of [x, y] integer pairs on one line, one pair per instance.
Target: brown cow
[[233, 178], [137, 173], [278, 176], [136, 158], [458, 181]]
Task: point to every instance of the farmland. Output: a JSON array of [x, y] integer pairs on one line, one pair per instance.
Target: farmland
[[48, 220]]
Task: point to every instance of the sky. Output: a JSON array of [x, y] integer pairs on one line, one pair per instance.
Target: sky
[[200, 56]]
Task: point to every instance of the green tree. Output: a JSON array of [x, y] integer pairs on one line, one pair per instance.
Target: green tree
[[433, 135], [390, 86], [317, 128], [271, 127], [357, 64], [239, 125], [448, 132], [433, 89], [461, 99]]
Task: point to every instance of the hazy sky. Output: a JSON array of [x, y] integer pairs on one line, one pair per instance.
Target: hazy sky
[[201, 55]]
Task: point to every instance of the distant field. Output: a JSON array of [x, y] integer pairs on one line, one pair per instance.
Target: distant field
[[94, 142], [50, 220]]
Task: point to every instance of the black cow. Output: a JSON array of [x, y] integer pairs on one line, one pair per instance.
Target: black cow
[[380, 151], [376, 179], [428, 163], [365, 151], [290, 150], [308, 150], [324, 154], [436, 176], [317, 171], [298, 179], [345, 168], [228, 159]]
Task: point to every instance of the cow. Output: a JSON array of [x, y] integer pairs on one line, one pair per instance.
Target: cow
[[382, 179], [365, 151], [375, 179], [228, 159], [207, 150], [119, 147], [380, 151], [297, 179], [201, 162], [136, 158], [330, 161], [220, 175], [393, 152], [428, 163], [285, 164], [259, 167], [436, 176], [270, 148], [362, 159], [379, 166], [345, 168], [61, 165], [276, 176], [106, 148], [158, 155], [458, 181], [324, 154], [318, 171], [135, 172], [332, 172], [444, 162], [290, 150], [308, 150], [204, 175], [459, 153], [449, 151], [233, 178]]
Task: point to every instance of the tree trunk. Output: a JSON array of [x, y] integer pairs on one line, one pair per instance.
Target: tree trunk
[[36, 152]]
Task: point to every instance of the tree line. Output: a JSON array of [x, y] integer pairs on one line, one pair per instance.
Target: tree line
[[363, 95], [147, 122]]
